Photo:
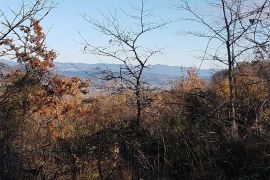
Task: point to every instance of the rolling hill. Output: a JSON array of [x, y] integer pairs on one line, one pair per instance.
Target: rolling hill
[[159, 75]]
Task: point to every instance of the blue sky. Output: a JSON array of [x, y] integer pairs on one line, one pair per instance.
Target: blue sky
[[65, 22]]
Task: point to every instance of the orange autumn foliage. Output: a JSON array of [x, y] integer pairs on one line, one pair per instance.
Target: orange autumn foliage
[[29, 48], [192, 82], [55, 100]]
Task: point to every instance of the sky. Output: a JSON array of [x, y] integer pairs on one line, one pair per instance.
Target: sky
[[65, 23]]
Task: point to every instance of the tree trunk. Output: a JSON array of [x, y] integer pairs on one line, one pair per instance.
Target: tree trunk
[[138, 107], [232, 112], [230, 60], [99, 163]]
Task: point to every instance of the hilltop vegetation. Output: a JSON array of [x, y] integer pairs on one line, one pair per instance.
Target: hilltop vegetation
[[51, 127], [184, 134]]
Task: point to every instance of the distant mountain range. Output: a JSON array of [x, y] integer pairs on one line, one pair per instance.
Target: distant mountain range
[[156, 74]]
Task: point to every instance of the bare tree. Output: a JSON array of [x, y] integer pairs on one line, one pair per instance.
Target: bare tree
[[124, 47], [237, 29]]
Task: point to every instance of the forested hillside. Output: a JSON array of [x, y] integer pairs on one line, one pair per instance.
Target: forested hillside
[[52, 127]]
